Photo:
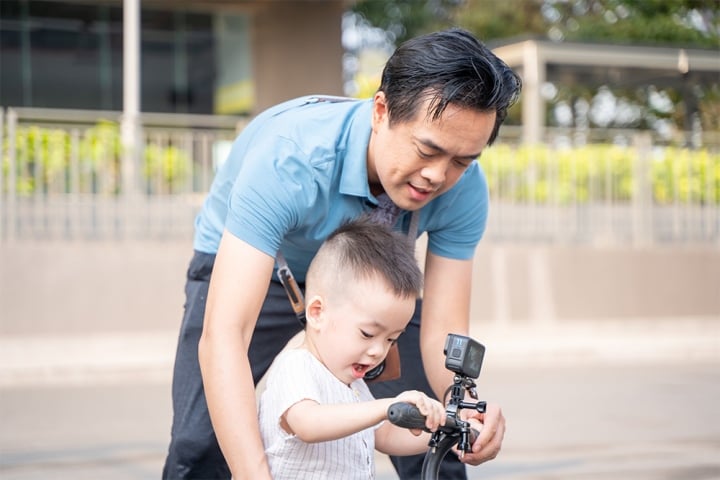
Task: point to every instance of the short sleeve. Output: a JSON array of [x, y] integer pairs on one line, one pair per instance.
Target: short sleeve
[[457, 222], [274, 189], [291, 381]]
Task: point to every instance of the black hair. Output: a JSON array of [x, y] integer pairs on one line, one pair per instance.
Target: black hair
[[367, 248], [450, 67]]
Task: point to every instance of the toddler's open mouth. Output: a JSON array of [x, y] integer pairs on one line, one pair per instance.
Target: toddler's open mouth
[[359, 370]]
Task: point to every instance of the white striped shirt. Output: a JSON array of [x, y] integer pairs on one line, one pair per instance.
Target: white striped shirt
[[297, 375]]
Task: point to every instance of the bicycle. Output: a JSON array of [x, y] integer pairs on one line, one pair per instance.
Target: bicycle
[[464, 357]]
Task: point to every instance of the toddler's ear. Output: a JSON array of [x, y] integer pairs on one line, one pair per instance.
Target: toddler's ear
[[314, 311]]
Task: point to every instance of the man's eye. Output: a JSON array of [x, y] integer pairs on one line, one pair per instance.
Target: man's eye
[[424, 154], [463, 163]]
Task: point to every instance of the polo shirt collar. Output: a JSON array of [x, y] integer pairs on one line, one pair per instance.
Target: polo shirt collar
[[354, 177]]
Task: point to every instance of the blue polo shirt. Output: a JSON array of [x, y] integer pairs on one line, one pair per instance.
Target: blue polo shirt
[[299, 170]]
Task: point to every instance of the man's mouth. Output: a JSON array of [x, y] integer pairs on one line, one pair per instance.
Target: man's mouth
[[420, 193]]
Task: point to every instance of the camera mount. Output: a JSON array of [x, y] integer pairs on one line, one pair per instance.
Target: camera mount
[[464, 357]]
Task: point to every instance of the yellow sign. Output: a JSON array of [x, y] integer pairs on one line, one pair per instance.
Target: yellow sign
[[235, 98]]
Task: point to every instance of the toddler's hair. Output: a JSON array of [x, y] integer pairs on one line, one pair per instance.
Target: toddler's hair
[[364, 249]]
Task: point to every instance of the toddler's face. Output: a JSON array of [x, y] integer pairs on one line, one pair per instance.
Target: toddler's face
[[359, 327]]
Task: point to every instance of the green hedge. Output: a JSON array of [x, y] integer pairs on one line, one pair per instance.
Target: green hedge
[[523, 174], [596, 173], [45, 156]]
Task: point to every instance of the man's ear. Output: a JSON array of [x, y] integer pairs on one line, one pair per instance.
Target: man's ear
[[314, 308], [380, 110]]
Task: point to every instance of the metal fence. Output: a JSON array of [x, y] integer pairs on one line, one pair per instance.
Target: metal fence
[[633, 191], [60, 180], [61, 174]]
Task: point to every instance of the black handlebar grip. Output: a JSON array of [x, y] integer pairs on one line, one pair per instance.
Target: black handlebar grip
[[406, 415]]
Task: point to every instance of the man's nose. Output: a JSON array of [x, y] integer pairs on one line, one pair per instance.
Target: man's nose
[[435, 173]]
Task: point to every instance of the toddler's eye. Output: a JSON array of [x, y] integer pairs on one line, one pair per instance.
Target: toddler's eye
[[392, 341], [365, 334]]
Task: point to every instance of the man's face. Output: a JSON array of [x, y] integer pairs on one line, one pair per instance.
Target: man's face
[[415, 161]]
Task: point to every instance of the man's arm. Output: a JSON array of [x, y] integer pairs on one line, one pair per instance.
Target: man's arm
[[446, 309], [238, 286]]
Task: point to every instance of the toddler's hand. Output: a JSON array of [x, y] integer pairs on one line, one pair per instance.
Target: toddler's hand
[[433, 410]]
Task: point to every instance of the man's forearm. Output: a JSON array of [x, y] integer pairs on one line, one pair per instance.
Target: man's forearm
[[234, 301], [446, 309], [230, 395], [432, 344], [438, 376]]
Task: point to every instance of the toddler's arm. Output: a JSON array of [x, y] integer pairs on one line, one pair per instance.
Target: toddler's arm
[[313, 422]]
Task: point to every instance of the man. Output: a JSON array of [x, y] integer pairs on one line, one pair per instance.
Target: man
[[295, 174]]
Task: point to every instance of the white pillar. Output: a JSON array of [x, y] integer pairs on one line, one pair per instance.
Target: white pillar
[[533, 105], [130, 122]]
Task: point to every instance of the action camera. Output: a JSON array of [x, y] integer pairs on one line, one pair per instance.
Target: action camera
[[463, 355]]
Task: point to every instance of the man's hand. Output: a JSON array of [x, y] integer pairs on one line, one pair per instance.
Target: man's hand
[[488, 444]]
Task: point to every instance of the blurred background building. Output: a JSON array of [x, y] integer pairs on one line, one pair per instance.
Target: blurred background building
[[236, 57], [614, 143], [215, 57]]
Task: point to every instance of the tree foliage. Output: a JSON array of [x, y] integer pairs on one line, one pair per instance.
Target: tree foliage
[[656, 22], [491, 20], [679, 23], [686, 22], [404, 19]]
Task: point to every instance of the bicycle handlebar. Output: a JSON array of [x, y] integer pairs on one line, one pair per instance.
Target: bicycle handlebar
[[407, 415]]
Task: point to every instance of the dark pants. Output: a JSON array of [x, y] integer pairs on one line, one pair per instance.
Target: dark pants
[[194, 452]]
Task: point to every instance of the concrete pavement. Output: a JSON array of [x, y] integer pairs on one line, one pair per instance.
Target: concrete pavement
[[625, 422], [630, 400]]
